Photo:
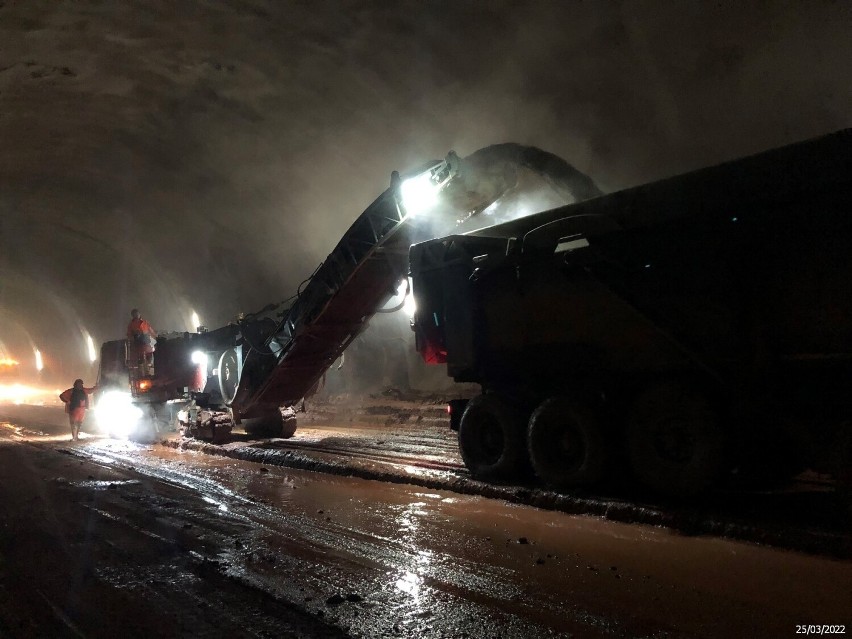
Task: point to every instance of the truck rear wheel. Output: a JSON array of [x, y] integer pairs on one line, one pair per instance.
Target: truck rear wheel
[[675, 442], [566, 445], [491, 438]]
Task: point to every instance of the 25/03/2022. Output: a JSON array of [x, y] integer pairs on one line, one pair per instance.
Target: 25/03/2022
[[824, 629]]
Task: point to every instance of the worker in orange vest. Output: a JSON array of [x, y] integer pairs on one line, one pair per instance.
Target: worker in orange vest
[[141, 341], [76, 400]]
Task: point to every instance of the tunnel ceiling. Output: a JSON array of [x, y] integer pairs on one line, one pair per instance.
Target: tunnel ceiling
[[207, 155]]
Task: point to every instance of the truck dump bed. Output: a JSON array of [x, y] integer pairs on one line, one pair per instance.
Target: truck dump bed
[[721, 270], [687, 326]]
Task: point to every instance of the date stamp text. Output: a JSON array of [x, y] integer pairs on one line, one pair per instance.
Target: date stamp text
[[817, 629]]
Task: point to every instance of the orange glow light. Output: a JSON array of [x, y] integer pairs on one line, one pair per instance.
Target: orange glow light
[[8, 361], [23, 394]]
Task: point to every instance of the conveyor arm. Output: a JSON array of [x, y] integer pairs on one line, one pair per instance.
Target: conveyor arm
[[358, 277]]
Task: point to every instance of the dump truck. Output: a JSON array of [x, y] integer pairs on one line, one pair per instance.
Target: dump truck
[[681, 330]]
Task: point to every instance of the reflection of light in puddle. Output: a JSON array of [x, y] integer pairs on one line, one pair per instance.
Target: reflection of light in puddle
[[409, 520], [423, 472], [218, 504], [428, 495], [23, 432], [105, 483], [410, 579], [409, 583]]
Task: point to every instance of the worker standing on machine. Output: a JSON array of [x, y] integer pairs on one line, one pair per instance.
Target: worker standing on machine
[[141, 341]]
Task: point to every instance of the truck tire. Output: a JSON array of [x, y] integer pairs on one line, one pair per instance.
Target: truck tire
[[566, 445], [675, 443], [491, 439]]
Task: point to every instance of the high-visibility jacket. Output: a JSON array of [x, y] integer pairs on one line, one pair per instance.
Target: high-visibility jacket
[[141, 337], [76, 402]]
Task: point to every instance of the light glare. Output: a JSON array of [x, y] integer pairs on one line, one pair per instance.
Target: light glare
[[116, 413], [90, 343], [409, 306], [419, 193], [196, 321], [199, 357], [39, 362], [18, 393], [405, 290]]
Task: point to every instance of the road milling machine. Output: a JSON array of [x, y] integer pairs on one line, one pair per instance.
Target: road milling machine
[[247, 372]]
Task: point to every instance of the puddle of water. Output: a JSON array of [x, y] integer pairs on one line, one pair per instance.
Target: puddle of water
[[220, 505], [105, 484], [22, 431]]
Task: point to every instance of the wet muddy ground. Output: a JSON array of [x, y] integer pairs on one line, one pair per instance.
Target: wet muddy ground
[[102, 538], [406, 439]]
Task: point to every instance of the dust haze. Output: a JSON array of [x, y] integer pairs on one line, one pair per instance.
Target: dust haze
[[202, 156]]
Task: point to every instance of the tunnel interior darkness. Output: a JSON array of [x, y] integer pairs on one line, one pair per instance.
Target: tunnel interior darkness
[[206, 157]]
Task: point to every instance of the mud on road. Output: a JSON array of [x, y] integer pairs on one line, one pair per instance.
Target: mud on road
[[405, 439], [88, 549], [102, 538]]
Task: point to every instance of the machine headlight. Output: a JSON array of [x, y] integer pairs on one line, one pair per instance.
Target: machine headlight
[[116, 413], [404, 290], [199, 357], [419, 193]]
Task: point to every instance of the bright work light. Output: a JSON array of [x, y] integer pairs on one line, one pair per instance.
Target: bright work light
[[419, 193], [199, 357], [116, 414]]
